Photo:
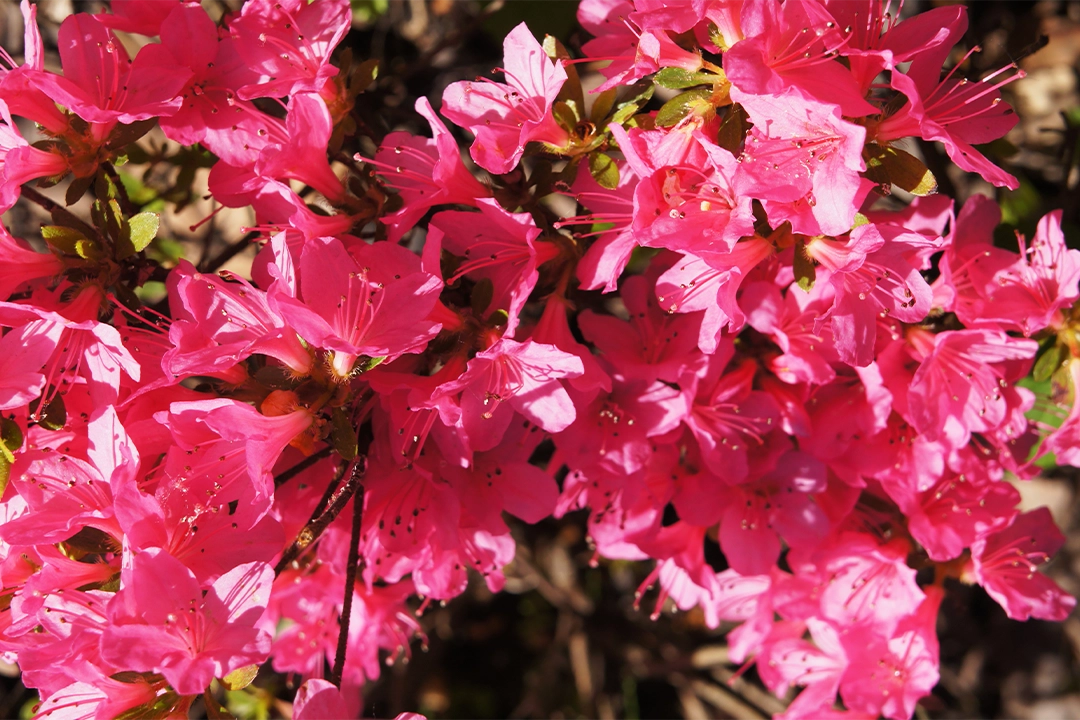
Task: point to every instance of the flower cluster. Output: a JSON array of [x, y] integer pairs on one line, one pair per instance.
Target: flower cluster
[[707, 323]]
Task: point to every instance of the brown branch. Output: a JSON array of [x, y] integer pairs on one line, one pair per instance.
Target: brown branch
[[230, 252], [301, 466], [319, 522], [350, 583]]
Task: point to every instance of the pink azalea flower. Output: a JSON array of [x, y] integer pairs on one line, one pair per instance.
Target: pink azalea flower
[[160, 621], [1006, 563], [888, 673], [806, 351], [710, 282], [787, 660], [211, 113], [103, 697], [218, 324], [949, 516], [611, 431], [609, 253], [319, 699], [301, 154], [955, 112], [728, 417], [553, 328], [506, 116], [498, 246], [633, 53], [867, 583], [86, 351], [526, 377], [793, 45], [102, 85], [64, 493], [873, 278], [23, 352], [778, 505], [373, 300], [654, 344], [144, 18], [424, 172], [288, 43], [803, 160], [960, 388], [689, 205], [876, 39], [1031, 294], [20, 162], [17, 87], [23, 265]]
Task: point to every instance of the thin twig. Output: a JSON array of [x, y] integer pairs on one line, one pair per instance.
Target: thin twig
[[301, 466], [37, 198], [350, 583], [230, 252], [315, 527]]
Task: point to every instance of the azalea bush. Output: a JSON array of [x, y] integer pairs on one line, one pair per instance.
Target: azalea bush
[[714, 303]]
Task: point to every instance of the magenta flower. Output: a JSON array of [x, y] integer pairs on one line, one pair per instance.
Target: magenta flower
[[889, 672], [526, 377], [102, 85], [654, 344], [135, 16], [960, 387], [955, 112], [211, 113], [793, 45], [373, 301], [506, 116], [161, 621], [1006, 563], [424, 172], [498, 246], [728, 417], [218, 324], [803, 160], [288, 43]]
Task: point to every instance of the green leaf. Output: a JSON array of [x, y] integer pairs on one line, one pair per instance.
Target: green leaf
[[62, 238], [571, 91], [77, 189], [241, 677], [54, 417], [11, 439], [892, 166], [629, 108], [675, 78], [1050, 360], [372, 362], [114, 220], [680, 106], [142, 229], [88, 250], [123, 135], [342, 437], [604, 170], [805, 270], [733, 130], [603, 104], [565, 115]]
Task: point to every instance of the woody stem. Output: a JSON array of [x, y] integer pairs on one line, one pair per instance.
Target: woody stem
[[350, 583]]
